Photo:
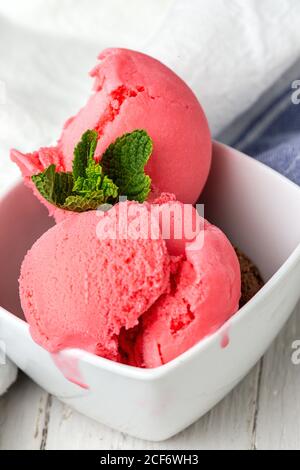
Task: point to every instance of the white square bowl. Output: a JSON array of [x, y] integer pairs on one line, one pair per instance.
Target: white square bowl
[[259, 210]]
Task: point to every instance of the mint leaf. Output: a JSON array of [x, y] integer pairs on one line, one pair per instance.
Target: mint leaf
[[91, 184], [85, 189], [101, 188], [54, 186], [124, 162], [91, 188], [86, 203], [84, 153], [95, 182]]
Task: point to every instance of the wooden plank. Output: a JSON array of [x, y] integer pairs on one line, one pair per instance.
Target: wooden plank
[[22, 415], [278, 415], [228, 426]]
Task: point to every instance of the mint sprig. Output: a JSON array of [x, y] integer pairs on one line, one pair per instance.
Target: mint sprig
[[91, 184], [124, 163], [84, 153], [54, 186]]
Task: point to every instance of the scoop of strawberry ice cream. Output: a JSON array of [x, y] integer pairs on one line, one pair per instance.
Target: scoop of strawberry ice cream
[[134, 91], [205, 292], [118, 284], [79, 291]]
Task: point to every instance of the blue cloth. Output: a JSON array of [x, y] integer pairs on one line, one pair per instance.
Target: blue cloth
[[270, 131]]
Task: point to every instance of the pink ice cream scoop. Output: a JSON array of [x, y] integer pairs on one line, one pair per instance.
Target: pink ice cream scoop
[[205, 293], [79, 291], [133, 91], [112, 285]]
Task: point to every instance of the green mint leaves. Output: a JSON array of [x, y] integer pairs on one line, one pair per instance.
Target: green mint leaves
[[84, 153], [91, 184], [124, 163], [91, 187], [54, 186]]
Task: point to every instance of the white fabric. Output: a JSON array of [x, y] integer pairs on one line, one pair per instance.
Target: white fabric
[[228, 51]]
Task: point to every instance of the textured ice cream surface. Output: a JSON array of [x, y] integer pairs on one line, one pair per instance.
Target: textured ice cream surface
[[134, 91], [79, 291], [205, 291], [105, 283]]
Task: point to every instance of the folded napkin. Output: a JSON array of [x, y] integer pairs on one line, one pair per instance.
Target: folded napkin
[[270, 131]]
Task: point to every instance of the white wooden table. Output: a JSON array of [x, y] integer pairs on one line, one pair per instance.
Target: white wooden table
[[263, 412]]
